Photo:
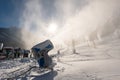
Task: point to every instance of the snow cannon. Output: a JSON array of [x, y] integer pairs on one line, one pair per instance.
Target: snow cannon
[[40, 53]]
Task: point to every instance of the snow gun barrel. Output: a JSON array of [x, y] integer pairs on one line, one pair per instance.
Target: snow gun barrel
[[43, 47]]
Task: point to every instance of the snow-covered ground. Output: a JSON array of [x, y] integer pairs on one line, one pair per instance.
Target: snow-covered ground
[[8, 67], [99, 63]]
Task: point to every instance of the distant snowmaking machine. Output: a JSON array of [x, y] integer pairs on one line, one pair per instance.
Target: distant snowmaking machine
[[40, 53]]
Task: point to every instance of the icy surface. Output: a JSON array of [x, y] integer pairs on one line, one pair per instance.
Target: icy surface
[[99, 63], [90, 63], [7, 67]]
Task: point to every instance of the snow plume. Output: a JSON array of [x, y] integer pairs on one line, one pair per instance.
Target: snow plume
[[78, 20]]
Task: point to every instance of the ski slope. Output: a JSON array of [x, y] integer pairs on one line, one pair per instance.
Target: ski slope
[[99, 63], [90, 63], [13, 68]]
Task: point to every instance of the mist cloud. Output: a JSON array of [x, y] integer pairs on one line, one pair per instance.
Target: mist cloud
[[76, 19]]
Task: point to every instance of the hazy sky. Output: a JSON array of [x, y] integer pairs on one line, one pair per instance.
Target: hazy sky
[[61, 20], [10, 11]]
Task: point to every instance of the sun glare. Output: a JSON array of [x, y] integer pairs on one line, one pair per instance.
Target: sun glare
[[52, 28]]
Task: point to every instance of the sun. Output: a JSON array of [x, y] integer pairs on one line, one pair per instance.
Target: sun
[[52, 28]]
